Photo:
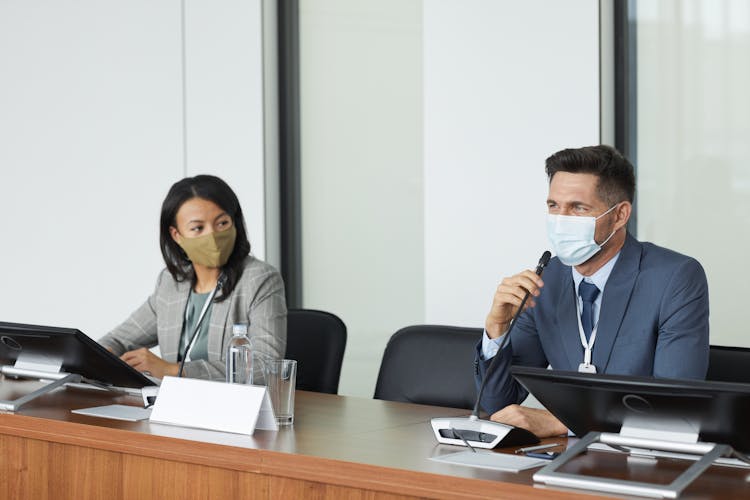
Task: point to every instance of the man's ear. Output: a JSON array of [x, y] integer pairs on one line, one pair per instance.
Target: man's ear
[[622, 214]]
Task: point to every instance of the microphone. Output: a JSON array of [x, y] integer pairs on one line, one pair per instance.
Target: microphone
[[219, 285], [472, 431]]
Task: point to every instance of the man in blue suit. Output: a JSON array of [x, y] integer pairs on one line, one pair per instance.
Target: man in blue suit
[[607, 303]]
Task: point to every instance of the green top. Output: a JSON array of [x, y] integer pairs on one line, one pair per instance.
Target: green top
[[195, 305]]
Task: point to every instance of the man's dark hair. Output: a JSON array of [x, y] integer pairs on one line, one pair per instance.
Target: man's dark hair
[[616, 174], [213, 189]]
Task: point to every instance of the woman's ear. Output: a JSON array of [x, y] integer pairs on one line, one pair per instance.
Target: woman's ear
[[175, 234]]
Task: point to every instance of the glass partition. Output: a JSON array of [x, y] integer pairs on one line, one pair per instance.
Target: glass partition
[[693, 143]]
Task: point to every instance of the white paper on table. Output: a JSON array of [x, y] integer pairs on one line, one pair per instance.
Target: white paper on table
[[218, 406], [116, 412], [490, 460]]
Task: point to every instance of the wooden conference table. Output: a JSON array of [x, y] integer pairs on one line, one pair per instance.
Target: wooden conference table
[[339, 447]]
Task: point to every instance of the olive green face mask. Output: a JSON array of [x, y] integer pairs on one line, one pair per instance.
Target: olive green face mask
[[210, 250]]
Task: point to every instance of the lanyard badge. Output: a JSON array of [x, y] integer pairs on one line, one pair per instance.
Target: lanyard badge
[[588, 346], [586, 368]]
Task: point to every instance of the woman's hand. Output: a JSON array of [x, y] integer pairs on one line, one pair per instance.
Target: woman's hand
[[149, 363]]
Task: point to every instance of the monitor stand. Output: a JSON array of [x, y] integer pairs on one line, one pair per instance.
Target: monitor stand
[[36, 367], [629, 437]]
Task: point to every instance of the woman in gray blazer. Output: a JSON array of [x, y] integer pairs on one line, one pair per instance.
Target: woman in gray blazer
[[211, 282]]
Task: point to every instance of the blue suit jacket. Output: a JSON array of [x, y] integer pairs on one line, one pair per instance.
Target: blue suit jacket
[[653, 322]]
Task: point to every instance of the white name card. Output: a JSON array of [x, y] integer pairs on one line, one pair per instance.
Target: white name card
[[217, 406]]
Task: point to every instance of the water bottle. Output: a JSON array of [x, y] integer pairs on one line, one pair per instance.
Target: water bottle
[[239, 356]]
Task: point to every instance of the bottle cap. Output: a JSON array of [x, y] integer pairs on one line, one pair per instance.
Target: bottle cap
[[239, 329]]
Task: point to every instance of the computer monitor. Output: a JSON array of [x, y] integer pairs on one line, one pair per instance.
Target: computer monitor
[[718, 412], [33, 350]]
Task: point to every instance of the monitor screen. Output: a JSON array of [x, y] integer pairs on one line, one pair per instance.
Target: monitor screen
[[717, 411], [42, 348]]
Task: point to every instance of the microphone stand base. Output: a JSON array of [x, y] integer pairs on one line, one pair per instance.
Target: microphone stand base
[[480, 433]]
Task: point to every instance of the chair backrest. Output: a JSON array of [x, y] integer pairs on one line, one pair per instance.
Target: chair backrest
[[430, 364], [316, 339], [729, 364]]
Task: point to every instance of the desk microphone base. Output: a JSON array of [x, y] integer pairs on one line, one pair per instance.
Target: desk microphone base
[[479, 433]]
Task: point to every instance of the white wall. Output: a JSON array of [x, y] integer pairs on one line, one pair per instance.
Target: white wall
[[103, 105], [506, 84], [361, 161], [425, 126]]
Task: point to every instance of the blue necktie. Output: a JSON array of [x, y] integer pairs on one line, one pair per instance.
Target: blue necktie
[[588, 292]]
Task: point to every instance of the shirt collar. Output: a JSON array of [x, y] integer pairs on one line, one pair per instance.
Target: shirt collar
[[599, 278]]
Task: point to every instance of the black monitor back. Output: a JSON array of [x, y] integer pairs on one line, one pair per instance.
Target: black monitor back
[[717, 411], [76, 352]]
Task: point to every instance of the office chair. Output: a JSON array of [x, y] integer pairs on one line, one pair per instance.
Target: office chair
[[729, 364], [431, 365], [316, 339]]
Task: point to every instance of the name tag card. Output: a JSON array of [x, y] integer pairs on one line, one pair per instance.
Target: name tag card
[[217, 406]]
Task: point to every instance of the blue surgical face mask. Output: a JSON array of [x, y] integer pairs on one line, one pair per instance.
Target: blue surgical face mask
[[572, 237]]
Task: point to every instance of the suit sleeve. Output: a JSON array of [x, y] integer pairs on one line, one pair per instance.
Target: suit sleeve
[[139, 330], [523, 348], [266, 315], [682, 347]]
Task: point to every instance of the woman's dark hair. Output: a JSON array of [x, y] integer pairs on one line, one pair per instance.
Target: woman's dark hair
[[210, 188], [616, 174]]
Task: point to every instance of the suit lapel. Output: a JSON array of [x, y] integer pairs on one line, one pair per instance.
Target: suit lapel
[[219, 314], [567, 321], [175, 318], [615, 301]]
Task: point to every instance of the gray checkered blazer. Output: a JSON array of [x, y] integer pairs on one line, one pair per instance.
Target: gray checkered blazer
[[257, 299]]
